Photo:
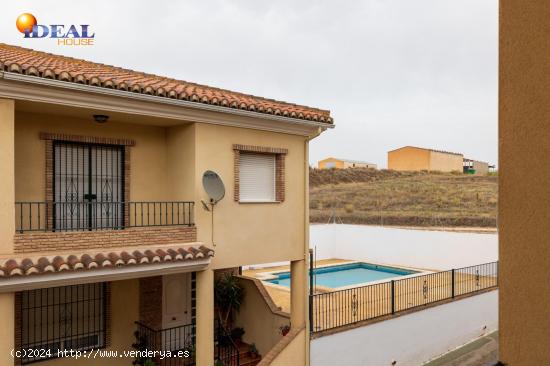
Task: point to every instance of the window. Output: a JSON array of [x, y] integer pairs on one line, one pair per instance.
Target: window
[[259, 173], [257, 177], [62, 318], [88, 186]]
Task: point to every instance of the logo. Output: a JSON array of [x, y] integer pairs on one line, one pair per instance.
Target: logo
[[72, 35]]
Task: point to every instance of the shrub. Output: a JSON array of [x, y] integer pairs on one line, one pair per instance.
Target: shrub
[[228, 295]]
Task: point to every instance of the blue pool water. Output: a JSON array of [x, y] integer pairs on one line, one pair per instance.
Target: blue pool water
[[347, 274]]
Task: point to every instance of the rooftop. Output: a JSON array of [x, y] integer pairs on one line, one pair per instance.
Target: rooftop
[[351, 161], [19, 60], [428, 149]]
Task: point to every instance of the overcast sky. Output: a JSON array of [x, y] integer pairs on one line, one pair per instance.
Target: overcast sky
[[392, 72]]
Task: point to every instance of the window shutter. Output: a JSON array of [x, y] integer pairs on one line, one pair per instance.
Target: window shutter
[[257, 177]]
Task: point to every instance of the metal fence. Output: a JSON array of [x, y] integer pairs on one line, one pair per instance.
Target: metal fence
[[226, 351], [335, 309], [178, 342], [182, 339], [93, 215]]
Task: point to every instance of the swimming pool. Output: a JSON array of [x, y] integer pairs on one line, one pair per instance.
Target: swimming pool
[[346, 274]]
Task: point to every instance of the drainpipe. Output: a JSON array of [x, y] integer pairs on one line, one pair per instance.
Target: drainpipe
[[306, 231]]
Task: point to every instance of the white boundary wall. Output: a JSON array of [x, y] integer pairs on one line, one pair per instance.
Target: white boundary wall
[[439, 250], [410, 339]]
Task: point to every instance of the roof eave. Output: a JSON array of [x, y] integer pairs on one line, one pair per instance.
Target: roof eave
[[115, 93], [66, 278]]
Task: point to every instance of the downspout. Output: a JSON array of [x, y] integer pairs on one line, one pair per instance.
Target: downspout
[[306, 234]]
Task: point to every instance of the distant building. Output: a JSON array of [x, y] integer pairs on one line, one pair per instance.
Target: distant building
[[335, 163], [410, 158], [475, 167]]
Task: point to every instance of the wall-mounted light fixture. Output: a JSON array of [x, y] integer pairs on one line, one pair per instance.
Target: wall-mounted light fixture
[[100, 118]]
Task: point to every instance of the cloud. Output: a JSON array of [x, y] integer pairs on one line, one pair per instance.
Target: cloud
[[392, 72]]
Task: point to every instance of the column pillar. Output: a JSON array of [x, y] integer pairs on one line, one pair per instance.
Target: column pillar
[[298, 293], [205, 318], [7, 222], [7, 330], [7, 172]]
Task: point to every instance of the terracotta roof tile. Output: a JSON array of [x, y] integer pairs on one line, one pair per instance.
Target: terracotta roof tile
[[26, 61], [90, 260]]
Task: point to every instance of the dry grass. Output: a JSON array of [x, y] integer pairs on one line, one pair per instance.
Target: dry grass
[[385, 197]]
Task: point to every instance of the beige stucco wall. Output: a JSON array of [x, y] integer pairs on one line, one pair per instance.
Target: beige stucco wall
[[409, 158], [481, 167], [250, 233], [124, 312], [348, 164], [168, 163], [524, 133], [180, 144], [338, 164], [265, 333], [7, 319], [444, 162], [204, 343], [293, 353], [149, 178], [7, 182]]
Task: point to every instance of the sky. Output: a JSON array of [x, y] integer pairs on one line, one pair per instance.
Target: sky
[[392, 72]]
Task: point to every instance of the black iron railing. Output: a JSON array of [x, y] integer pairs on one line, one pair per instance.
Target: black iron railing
[[343, 307], [92, 215], [182, 339], [226, 350], [173, 346]]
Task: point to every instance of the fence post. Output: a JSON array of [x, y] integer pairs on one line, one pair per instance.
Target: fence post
[[392, 297], [453, 283]]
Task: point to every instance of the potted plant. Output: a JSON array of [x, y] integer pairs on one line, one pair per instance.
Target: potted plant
[[140, 344], [284, 329], [228, 295], [237, 333], [253, 351]]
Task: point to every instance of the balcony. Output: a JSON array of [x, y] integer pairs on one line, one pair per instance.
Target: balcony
[[94, 216]]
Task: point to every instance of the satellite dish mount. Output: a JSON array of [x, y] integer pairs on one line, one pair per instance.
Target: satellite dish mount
[[213, 185]]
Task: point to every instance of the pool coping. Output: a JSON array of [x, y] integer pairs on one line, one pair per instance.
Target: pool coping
[[272, 275]]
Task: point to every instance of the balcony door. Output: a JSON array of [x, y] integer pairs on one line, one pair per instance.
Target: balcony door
[[88, 186], [176, 311]]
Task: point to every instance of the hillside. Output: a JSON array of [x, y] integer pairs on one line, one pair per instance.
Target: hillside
[[385, 197]]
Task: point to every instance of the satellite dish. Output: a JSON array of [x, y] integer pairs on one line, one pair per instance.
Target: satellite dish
[[213, 186]]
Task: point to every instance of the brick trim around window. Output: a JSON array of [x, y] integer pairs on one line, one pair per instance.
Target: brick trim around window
[[86, 139], [280, 154], [51, 137]]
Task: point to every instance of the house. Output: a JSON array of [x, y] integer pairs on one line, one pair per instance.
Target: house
[[330, 163], [410, 158], [106, 228], [475, 167], [523, 210]]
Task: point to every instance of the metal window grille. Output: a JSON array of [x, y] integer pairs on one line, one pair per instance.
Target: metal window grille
[[88, 186], [58, 319]]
